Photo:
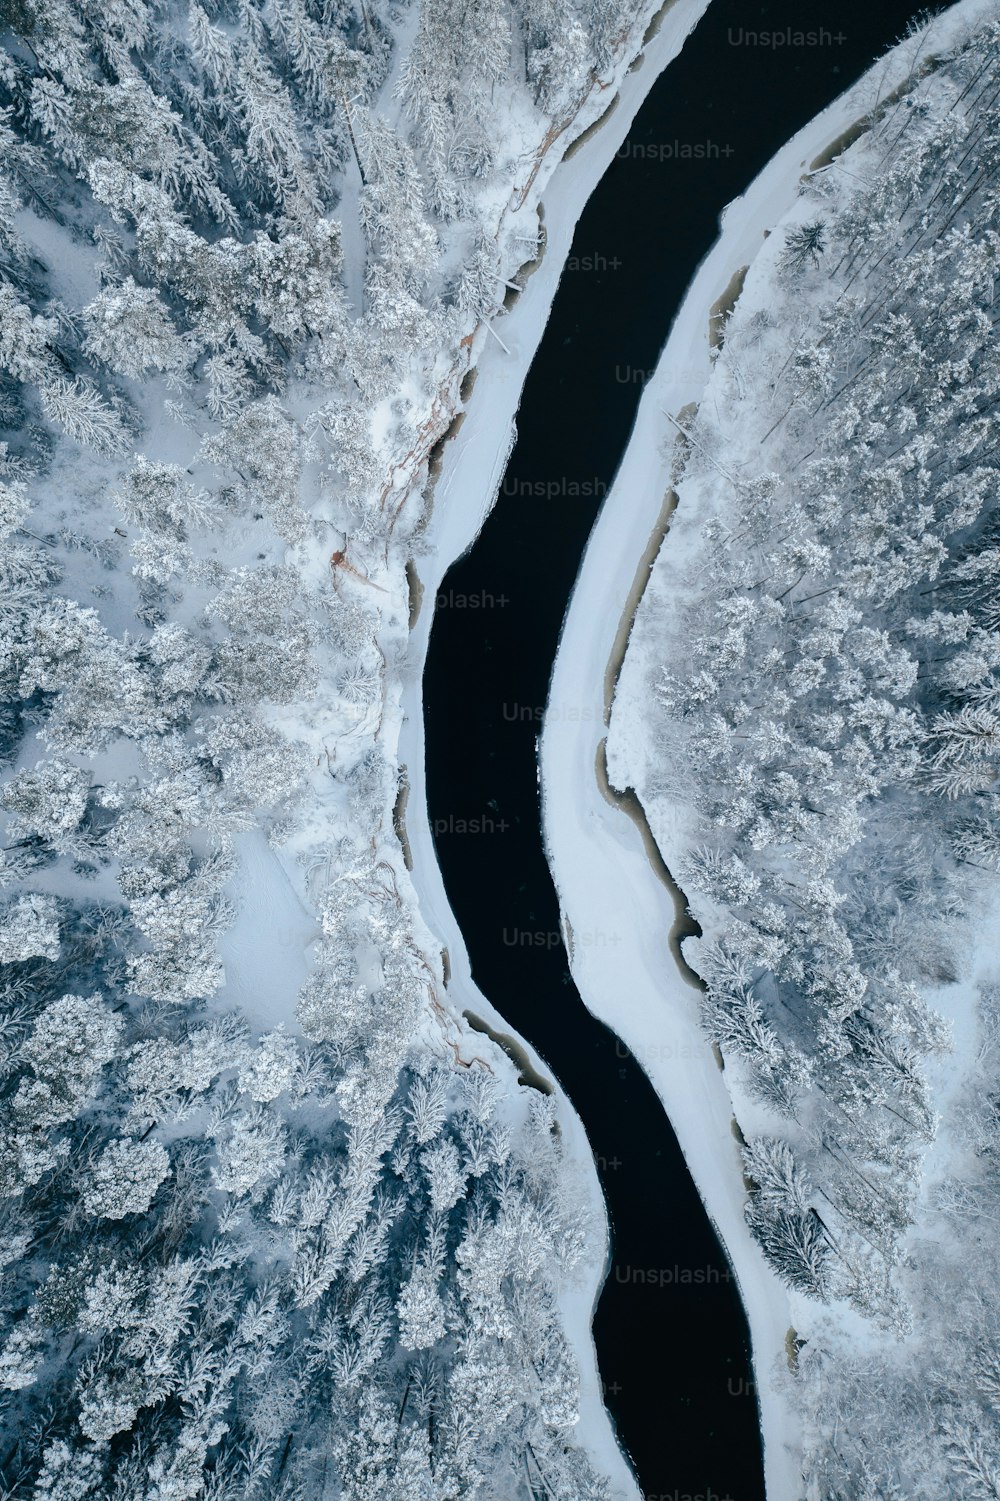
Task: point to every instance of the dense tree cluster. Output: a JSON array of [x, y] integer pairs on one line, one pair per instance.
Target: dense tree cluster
[[837, 713], [241, 153], [927, 1427], [254, 1272], [244, 248]]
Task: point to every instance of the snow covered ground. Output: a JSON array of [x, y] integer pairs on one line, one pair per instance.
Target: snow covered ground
[[296, 883], [294, 890], [596, 853]]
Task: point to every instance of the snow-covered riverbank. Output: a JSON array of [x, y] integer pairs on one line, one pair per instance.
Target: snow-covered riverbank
[[221, 622], [596, 853], [468, 481]]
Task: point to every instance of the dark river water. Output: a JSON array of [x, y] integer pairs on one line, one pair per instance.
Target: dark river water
[[670, 1329]]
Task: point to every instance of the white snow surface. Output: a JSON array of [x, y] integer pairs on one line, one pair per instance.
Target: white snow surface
[[265, 951], [604, 879]]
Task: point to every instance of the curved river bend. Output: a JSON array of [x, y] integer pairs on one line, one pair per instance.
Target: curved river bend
[[670, 1331]]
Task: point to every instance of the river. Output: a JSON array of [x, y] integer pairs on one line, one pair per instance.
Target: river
[[670, 1330]]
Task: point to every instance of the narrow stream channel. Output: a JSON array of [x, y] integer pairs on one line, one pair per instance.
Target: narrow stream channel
[[670, 1330]]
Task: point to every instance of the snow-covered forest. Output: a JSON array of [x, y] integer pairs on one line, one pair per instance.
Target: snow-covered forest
[[809, 711], [274, 1222]]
